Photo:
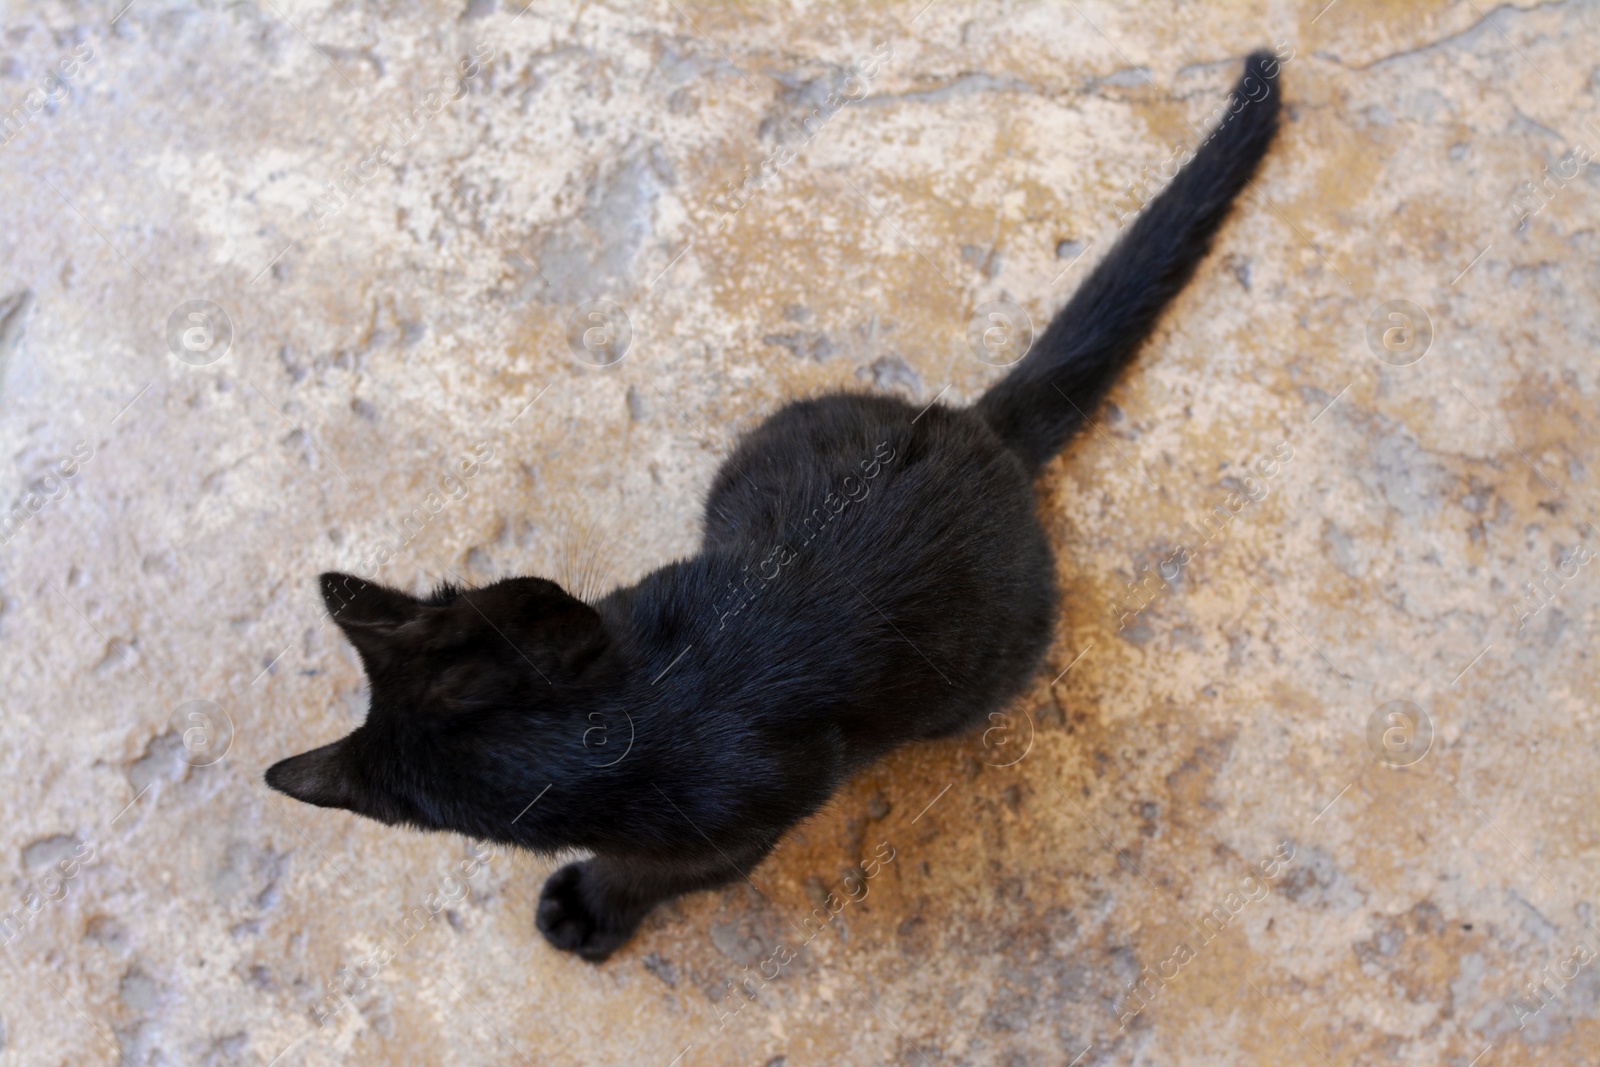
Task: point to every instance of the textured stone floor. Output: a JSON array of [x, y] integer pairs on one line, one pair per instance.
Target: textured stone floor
[[1324, 791]]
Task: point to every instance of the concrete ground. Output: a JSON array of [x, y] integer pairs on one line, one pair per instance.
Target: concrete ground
[[1322, 790]]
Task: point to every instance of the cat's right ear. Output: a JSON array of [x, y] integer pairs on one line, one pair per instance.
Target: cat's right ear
[[317, 777], [367, 612]]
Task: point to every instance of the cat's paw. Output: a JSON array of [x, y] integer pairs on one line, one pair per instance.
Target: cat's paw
[[573, 920]]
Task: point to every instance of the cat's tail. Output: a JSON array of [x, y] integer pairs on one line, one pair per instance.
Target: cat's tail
[[1038, 406]]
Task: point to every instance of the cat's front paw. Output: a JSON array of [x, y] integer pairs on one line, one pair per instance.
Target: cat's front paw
[[573, 919]]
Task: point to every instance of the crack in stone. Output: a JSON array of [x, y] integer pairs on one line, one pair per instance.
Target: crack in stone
[[1407, 53], [962, 85]]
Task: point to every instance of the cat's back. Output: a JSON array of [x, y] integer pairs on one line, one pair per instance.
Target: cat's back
[[822, 457], [889, 555]]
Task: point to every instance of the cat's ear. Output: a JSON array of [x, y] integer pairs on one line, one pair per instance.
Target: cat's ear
[[321, 777], [371, 615], [357, 603], [575, 628]]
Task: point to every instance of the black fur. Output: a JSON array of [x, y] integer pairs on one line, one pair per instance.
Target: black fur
[[868, 576], [1041, 403]]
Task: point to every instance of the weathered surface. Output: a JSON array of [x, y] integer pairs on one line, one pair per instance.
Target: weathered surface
[[380, 334]]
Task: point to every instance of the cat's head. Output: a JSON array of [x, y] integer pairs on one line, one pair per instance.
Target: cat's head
[[477, 697]]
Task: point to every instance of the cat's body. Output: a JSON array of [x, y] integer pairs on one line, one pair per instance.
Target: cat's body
[[870, 574]]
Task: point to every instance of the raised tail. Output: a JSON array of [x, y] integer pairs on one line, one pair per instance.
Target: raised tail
[[1042, 402]]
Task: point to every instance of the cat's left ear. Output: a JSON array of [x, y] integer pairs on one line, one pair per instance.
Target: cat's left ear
[[356, 603], [572, 627], [321, 777], [372, 616]]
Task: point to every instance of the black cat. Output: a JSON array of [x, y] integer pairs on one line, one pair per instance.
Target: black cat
[[869, 575]]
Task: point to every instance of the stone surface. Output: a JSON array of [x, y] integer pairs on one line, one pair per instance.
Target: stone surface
[[166, 910]]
